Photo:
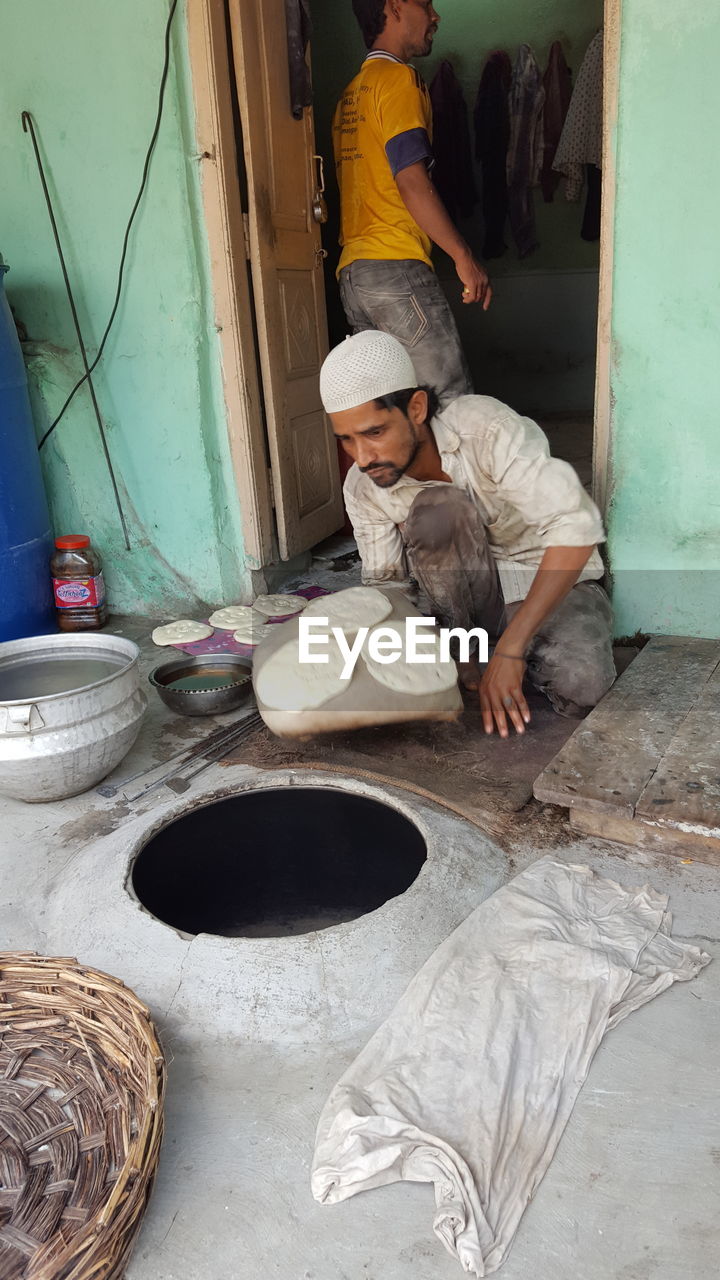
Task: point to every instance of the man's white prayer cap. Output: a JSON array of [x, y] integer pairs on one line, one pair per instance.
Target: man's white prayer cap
[[364, 367]]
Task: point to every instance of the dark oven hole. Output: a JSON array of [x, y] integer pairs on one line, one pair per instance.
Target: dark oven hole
[[265, 864]]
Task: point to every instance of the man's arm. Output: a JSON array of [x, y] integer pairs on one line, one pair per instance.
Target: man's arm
[[424, 205], [501, 694], [379, 541]]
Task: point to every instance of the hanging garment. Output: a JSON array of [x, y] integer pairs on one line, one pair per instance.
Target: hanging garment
[[581, 140], [492, 135], [472, 1079], [525, 152], [299, 30], [557, 83], [453, 172], [590, 229]]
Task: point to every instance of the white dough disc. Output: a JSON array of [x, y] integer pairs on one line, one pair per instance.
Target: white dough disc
[[351, 609], [417, 679], [279, 606], [184, 631], [237, 615], [286, 684], [252, 632]]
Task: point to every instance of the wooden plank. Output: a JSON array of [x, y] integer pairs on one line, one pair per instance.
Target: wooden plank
[[612, 755], [684, 792], [647, 836], [286, 260]]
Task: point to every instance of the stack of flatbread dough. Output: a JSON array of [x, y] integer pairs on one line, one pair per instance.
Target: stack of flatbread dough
[[247, 622], [300, 698]]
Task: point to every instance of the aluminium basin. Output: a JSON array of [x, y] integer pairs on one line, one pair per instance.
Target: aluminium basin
[[70, 709]]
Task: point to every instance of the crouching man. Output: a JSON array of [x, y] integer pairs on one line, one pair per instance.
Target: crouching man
[[469, 505]]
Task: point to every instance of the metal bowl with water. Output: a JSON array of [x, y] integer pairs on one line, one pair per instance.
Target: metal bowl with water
[[70, 709], [205, 685]]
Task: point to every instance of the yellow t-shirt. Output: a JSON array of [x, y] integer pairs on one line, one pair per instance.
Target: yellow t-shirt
[[383, 124]]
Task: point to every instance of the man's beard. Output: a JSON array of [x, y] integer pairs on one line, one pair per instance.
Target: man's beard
[[387, 474], [427, 47]]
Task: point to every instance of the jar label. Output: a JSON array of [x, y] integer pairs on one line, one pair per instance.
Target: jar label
[[74, 593]]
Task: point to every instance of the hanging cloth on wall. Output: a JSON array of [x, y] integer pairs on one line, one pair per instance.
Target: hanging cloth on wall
[[453, 172], [525, 152], [581, 140], [557, 83], [492, 136], [299, 30]]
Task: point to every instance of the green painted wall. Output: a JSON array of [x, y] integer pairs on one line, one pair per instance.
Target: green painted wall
[[536, 347], [89, 72], [664, 520]]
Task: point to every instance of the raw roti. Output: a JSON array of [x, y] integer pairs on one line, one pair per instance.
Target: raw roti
[[279, 606], [237, 616], [285, 684], [351, 609], [252, 632], [184, 631], [416, 679]]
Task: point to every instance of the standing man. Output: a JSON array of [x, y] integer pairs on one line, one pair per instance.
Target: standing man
[[390, 210]]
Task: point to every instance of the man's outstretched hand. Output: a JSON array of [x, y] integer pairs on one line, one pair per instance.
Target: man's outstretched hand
[[501, 695]]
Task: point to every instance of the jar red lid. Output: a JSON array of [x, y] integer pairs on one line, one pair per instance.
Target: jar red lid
[[72, 542]]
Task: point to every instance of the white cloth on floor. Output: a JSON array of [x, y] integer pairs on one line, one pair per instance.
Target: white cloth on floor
[[471, 1080]]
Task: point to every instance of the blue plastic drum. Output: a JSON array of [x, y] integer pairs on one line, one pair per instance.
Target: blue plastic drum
[[26, 544]]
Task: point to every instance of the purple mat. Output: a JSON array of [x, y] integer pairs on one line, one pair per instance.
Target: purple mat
[[222, 641]]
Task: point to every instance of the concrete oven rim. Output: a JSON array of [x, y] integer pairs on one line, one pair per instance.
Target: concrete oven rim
[[281, 781], [334, 983]]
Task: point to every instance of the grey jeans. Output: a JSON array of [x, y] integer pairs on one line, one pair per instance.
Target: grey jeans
[[570, 660], [404, 298]]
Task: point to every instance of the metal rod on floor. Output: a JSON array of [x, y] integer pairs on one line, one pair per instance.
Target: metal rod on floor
[[28, 126], [235, 735], [190, 753]]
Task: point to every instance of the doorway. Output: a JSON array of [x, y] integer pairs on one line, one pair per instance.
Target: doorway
[[537, 348], [544, 346]]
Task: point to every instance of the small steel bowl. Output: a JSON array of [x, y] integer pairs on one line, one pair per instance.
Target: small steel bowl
[[205, 685]]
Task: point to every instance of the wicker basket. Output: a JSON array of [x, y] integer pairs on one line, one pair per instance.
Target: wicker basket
[[82, 1080]]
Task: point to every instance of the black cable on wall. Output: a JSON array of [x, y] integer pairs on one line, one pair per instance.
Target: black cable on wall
[[128, 229]]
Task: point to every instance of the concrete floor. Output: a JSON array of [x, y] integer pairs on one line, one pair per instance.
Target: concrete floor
[[258, 1030]]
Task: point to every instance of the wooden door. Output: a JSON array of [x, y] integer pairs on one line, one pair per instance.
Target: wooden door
[[287, 272]]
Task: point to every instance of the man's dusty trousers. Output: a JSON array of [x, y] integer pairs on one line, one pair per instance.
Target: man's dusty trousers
[[570, 660]]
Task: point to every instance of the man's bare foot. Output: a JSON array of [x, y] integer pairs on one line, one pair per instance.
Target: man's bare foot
[[469, 674]]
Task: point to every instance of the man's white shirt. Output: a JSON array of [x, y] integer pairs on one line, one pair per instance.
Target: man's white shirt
[[527, 500]]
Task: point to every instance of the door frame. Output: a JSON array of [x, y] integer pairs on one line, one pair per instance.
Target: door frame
[[210, 72], [602, 425], [226, 224]]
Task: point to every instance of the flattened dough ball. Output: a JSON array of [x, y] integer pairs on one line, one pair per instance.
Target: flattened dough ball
[[184, 631], [237, 616], [251, 632], [416, 680], [286, 684], [351, 609], [279, 606]]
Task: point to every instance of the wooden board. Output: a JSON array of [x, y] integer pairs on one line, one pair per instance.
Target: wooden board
[[612, 756], [644, 768], [643, 835], [286, 261], [684, 791]]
